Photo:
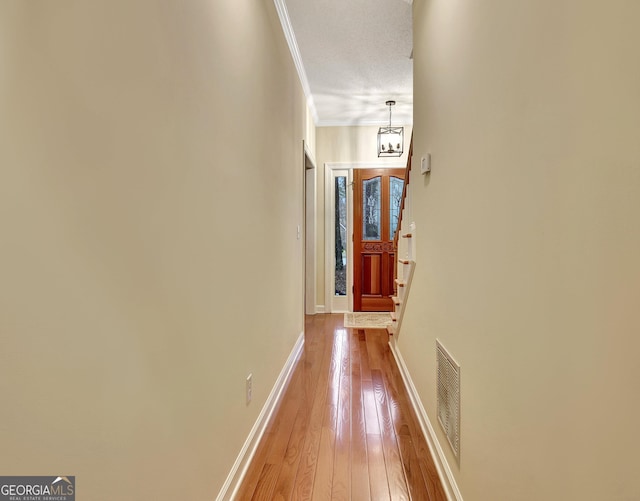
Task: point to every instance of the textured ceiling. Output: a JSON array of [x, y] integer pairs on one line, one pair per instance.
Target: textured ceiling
[[354, 56]]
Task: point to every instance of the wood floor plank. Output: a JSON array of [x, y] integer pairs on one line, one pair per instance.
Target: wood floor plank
[[364, 356], [397, 407], [288, 412], [370, 413], [374, 349], [415, 480], [341, 485], [266, 483], [284, 486], [324, 474], [431, 480], [416, 483], [309, 369], [279, 440], [427, 466], [291, 392], [305, 476], [377, 473], [395, 471], [323, 484], [359, 463]]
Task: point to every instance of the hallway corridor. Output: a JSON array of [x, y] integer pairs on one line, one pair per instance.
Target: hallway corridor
[[344, 428]]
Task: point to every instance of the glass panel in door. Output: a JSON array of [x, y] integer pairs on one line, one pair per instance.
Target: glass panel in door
[[396, 186], [371, 201]]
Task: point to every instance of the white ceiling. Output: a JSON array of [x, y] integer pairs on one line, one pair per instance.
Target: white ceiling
[[352, 56]]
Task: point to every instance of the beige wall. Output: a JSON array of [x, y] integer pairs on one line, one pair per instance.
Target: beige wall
[[150, 189], [528, 241], [353, 144]]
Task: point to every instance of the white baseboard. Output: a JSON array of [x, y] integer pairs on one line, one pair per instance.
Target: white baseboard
[[319, 308], [444, 471], [239, 469]]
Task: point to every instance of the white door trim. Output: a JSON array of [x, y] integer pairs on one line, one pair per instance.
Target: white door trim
[[333, 303], [331, 169]]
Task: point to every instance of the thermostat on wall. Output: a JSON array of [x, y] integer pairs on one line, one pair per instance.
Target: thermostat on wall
[[425, 164]]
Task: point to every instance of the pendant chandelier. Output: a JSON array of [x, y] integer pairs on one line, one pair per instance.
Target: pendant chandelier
[[390, 139]]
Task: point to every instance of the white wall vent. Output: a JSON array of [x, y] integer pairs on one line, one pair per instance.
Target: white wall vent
[[449, 397]]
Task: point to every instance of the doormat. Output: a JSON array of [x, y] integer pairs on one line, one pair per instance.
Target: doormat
[[366, 320]]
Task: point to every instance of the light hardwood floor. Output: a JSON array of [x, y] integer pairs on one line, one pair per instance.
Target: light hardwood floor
[[344, 428]]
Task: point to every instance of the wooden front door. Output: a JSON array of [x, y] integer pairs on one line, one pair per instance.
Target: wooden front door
[[376, 201]]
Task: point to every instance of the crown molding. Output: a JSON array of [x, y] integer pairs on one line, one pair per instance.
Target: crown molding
[[357, 123], [351, 123], [290, 36]]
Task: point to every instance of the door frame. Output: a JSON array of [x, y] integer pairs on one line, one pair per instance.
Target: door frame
[[330, 169], [309, 209]]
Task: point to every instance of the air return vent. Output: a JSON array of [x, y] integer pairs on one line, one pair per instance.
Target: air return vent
[[449, 397]]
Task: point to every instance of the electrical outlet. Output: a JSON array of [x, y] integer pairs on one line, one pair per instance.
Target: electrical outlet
[[249, 388]]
